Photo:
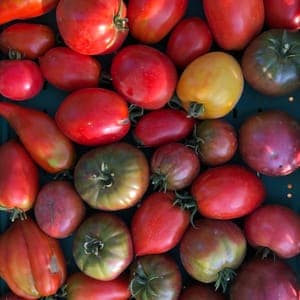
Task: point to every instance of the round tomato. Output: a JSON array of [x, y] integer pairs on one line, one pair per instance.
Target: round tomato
[[200, 292], [112, 177], [102, 246], [211, 85], [227, 192]]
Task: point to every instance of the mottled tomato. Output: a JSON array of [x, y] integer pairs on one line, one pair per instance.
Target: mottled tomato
[[211, 85], [190, 38], [200, 292], [227, 192], [93, 116], [102, 246], [69, 70]]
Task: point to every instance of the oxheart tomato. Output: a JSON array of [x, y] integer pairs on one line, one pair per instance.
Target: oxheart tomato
[[102, 246], [265, 279], [92, 27], [234, 23], [150, 21], [144, 75], [31, 263], [275, 227], [227, 192], [112, 177], [200, 291], [93, 116]]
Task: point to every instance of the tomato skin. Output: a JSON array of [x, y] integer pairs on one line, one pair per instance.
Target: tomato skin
[[93, 116], [69, 70], [150, 22], [234, 29], [200, 292], [41, 266], [227, 192], [190, 38], [162, 126], [158, 225], [58, 209], [144, 75], [85, 37], [276, 227], [81, 286]]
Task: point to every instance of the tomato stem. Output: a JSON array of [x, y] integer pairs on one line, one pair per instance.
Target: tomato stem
[[16, 213], [159, 182], [135, 112], [224, 277], [92, 245], [196, 110], [15, 54], [104, 176], [120, 23]]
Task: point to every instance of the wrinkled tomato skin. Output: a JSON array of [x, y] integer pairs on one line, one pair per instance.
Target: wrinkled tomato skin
[[200, 292], [227, 192], [163, 126], [276, 227]]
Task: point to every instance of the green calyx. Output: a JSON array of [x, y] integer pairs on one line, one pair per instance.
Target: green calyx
[[15, 213], [224, 278], [159, 181], [104, 176], [120, 23], [92, 245], [196, 110]]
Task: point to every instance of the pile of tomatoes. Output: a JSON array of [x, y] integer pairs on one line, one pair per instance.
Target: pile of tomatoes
[[135, 166]]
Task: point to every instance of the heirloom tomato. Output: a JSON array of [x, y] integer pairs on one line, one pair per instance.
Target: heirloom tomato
[[200, 291]]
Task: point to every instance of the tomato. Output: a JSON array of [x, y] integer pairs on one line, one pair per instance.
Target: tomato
[[68, 70], [190, 38], [211, 85], [162, 126], [151, 21], [227, 192], [102, 28], [112, 177], [93, 116], [282, 14], [20, 79], [31, 40], [271, 63], [158, 225], [102, 246], [200, 291], [234, 23], [31, 263], [265, 279], [13, 10], [174, 166], [155, 277], [81, 286], [275, 227], [211, 249], [58, 209], [144, 75]]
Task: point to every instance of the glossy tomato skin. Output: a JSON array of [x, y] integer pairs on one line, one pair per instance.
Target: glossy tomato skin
[[69, 70], [158, 225], [200, 292], [102, 246], [162, 126], [190, 38], [20, 79], [112, 177], [210, 247], [41, 266], [265, 279], [282, 14], [85, 37], [81, 286], [144, 75], [58, 209], [150, 22], [227, 192], [31, 40], [93, 116], [275, 227], [234, 29], [214, 81]]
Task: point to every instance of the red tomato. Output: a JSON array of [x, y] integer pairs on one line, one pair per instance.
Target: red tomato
[[69, 70], [20, 79], [227, 192], [102, 27], [190, 38], [93, 116], [276, 227], [145, 76], [151, 21], [158, 225], [282, 13], [163, 126], [200, 291], [234, 23]]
